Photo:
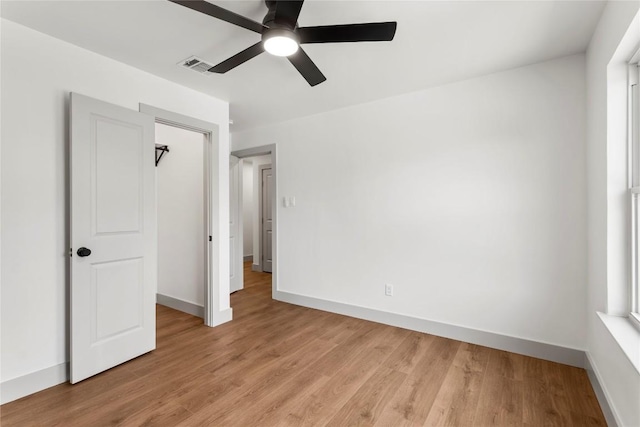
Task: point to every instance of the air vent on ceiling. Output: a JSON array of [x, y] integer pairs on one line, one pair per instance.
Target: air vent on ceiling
[[196, 64]]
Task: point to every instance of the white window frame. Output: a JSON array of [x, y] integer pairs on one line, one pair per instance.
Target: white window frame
[[634, 187]]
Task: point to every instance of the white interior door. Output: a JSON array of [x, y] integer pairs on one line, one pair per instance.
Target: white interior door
[[267, 220], [235, 225], [113, 236]]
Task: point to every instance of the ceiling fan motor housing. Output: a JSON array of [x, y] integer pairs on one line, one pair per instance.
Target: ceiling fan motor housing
[[278, 27], [270, 18]]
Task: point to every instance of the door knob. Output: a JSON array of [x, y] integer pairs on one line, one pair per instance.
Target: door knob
[[82, 252]]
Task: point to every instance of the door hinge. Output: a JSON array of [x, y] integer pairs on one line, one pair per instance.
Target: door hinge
[[210, 238], [70, 252]]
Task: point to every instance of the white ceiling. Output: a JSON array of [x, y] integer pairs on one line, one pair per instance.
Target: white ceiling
[[436, 42]]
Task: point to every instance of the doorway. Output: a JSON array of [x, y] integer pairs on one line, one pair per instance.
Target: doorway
[[216, 309], [182, 214], [258, 208]]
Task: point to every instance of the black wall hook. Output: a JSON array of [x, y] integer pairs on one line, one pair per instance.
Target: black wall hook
[[160, 150]]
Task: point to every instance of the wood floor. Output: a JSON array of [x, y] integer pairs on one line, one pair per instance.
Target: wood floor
[[277, 364]]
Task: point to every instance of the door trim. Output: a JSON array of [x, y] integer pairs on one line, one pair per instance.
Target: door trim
[[261, 151], [239, 220], [216, 307]]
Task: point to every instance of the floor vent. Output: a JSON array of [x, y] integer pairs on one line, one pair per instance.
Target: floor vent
[[196, 64]]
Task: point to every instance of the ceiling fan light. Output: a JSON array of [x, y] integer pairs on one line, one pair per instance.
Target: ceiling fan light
[[281, 45]]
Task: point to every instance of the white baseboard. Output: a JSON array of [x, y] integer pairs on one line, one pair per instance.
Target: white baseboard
[[554, 353], [180, 305], [256, 267], [34, 382], [601, 393], [247, 258]]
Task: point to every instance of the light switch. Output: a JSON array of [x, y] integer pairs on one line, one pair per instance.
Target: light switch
[[292, 201], [285, 202]]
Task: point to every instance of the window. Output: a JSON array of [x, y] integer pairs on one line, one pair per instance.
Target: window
[[634, 185]]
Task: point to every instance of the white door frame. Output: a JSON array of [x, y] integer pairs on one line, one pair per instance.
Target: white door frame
[[238, 283], [264, 150], [216, 306]]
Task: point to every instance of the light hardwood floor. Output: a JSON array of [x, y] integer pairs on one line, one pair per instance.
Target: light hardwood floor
[[277, 364]]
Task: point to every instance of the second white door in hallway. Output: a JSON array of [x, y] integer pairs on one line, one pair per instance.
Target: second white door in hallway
[[266, 217]]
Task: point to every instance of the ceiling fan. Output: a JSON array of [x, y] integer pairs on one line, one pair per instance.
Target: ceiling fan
[[281, 35]]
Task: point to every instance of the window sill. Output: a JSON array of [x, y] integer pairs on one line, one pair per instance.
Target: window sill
[[626, 335]]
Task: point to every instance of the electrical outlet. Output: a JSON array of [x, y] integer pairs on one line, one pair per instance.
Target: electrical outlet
[[388, 290]]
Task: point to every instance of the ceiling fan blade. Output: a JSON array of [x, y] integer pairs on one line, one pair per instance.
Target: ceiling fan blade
[[371, 32], [220, 13], [306, 67], [287, 12], [238, 59]]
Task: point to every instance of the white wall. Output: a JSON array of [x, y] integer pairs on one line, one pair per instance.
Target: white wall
[[38, 72], [469, 198], [247, 207], [607, 260], [181, 216], [257, 194]]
